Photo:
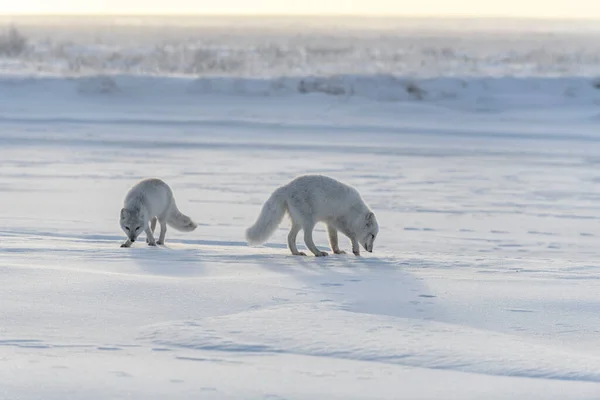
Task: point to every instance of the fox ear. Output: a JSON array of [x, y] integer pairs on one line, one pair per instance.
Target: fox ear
[[124, 213], [370, 217]]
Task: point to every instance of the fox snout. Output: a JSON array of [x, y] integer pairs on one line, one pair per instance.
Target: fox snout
[[368, 244]]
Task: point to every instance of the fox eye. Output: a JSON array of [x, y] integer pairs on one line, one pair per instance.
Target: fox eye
[[127, 227], [137, 229]]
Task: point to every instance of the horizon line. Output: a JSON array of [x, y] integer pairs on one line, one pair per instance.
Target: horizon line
[[305, 15]]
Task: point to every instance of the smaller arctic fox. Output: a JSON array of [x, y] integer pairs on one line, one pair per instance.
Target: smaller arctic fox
[[148, 201], [310, 199]]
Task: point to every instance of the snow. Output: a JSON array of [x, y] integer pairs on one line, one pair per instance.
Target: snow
[[476, 94], [483, 282]]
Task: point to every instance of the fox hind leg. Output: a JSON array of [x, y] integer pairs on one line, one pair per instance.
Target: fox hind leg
[[163, 231], [308, 239], [292, 239]]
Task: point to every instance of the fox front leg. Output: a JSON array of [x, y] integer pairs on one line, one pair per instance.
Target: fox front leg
[[333, 240], [152, 228], [355, 247], [127, 243], [149, 237]]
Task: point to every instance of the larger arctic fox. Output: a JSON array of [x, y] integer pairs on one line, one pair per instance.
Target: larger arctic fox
[[310, 199], [148, 201]]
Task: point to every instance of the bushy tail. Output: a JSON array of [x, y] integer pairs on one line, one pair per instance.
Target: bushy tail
[[180, 221], [269, 219]]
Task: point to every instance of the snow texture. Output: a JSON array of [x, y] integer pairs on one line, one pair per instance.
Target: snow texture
[[483, 282]]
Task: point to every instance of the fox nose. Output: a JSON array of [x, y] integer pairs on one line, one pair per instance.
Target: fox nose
[[132, 239]]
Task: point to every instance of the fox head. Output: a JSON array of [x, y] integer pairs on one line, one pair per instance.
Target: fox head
[[132, 223], [369, 232]]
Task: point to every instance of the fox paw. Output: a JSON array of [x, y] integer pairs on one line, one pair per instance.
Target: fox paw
[[321, 254], [124, 245], [338, 251], [153, 243], [356, 253], [160, 242], [299, 253]]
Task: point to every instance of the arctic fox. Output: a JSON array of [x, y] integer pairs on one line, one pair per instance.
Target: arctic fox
[[148, 201], [310, 199]]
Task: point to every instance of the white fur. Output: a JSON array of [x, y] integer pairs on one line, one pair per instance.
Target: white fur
[[310, 199], [149, 201]]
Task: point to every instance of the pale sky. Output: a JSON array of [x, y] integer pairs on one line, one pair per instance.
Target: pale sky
[[482, 8]]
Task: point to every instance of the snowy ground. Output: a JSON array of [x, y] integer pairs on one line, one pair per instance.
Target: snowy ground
[[483, 282]]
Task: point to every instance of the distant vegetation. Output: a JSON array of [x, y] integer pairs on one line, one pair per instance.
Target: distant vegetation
[[12, 42]]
